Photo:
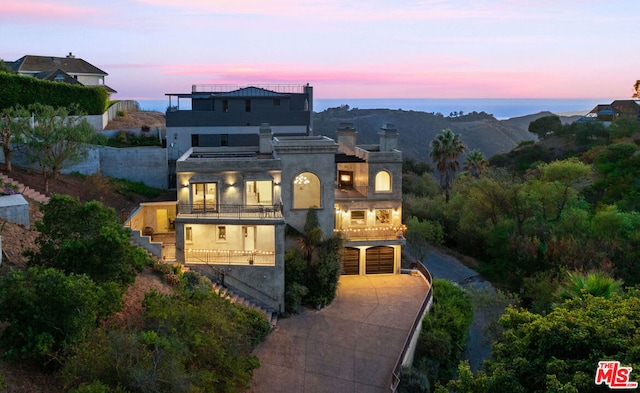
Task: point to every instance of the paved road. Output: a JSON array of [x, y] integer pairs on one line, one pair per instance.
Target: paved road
[[447, 267]]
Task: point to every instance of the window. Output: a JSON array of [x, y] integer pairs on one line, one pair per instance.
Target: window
[[225, 105], [306, 191], [224, 140], [276, 102], [188, 234], [345, 179], [383, 182], [383, 216], [358, 217], [247, 105], [195, 140], [204, 196], [259, 192], [222, 233]]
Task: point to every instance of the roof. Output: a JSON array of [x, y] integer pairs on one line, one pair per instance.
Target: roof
[[70, 65]]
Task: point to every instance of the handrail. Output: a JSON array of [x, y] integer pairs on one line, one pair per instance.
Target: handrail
[[227, 210], [221, 281], [396, 370], [221, 88]]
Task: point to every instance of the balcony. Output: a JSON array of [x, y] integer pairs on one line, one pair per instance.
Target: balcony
[[198, 210], [372, 234], [230, 257]]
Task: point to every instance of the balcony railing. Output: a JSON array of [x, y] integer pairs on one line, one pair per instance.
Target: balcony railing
[[230, 257], [258, 92], [229, 211], [386, 233]]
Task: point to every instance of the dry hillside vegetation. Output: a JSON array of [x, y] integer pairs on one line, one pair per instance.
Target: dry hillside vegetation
[[23, 378]]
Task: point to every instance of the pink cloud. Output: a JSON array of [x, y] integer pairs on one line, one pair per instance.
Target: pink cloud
[[43, 9]]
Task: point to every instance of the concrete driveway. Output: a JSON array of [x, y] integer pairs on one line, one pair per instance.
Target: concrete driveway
[[350, 346]]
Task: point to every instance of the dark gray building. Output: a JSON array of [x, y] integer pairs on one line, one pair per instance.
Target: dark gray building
[[231, 115]]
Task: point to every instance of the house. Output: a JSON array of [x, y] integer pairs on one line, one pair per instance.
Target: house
[[629, 109], [231, 115], [234, 202], [67, 69]]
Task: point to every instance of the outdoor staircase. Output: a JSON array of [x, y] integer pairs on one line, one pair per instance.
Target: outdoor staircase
[[226, 293], [24, 190]]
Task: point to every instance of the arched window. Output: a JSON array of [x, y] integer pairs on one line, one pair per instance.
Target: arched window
[[306, 191], [383, 181]]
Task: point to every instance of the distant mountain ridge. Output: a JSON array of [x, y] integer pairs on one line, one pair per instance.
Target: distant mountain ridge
[[417, 129]]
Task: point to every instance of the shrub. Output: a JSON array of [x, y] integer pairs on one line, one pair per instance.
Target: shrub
[[48, 312], [444, 330]]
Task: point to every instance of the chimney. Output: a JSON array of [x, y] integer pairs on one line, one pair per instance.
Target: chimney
[[265, 139], [70, 56], [388, 137], [347, 138]]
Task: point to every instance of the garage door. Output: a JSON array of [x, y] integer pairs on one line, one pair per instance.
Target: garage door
[[351, 261], [379, 260]]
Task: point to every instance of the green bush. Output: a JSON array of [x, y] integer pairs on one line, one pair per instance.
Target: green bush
[[86, 238], [24, 91], [444, 330], [49, 312], [189, 342], [324, 272]]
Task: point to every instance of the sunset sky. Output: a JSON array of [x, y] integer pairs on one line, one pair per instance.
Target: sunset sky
[[345, 49]]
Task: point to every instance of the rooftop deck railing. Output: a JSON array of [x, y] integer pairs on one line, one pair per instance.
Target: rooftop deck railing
[[200, 210], [260, 89]]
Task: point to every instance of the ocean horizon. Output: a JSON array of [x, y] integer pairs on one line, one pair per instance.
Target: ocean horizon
[[500, 108]]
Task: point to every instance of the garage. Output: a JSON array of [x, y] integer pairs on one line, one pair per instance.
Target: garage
[[350, 261], [380, 260]]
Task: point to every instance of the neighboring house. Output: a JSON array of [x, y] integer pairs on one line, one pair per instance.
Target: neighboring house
[[629, 109], [230, 115], [233, 203], [67, 69]]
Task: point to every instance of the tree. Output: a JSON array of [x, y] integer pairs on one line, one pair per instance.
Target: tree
[[86, 239], [476, 163], [14, 124], [445, 150], [5, 68], [59, 138], [545, 125], [594, 283], [636, 89], [48, 312], [423, 234]]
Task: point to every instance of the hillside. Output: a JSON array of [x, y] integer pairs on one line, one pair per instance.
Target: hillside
[[416, 129]]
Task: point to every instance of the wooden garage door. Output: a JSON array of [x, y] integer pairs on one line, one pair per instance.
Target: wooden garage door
[[379, 260], [351, 261]]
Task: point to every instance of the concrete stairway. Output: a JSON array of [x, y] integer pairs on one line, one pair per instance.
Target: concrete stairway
[[225, 293], [24, 190]]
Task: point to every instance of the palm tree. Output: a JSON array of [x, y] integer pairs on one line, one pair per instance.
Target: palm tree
[[445, 150], [593, 283], [476, 163]]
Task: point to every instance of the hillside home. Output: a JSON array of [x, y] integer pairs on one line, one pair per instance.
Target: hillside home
[[231, 115], [67, 69], [628, 109], [240, 182], [234, 202]]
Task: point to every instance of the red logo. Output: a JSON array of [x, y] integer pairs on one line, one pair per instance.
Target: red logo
[[615, 376]]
